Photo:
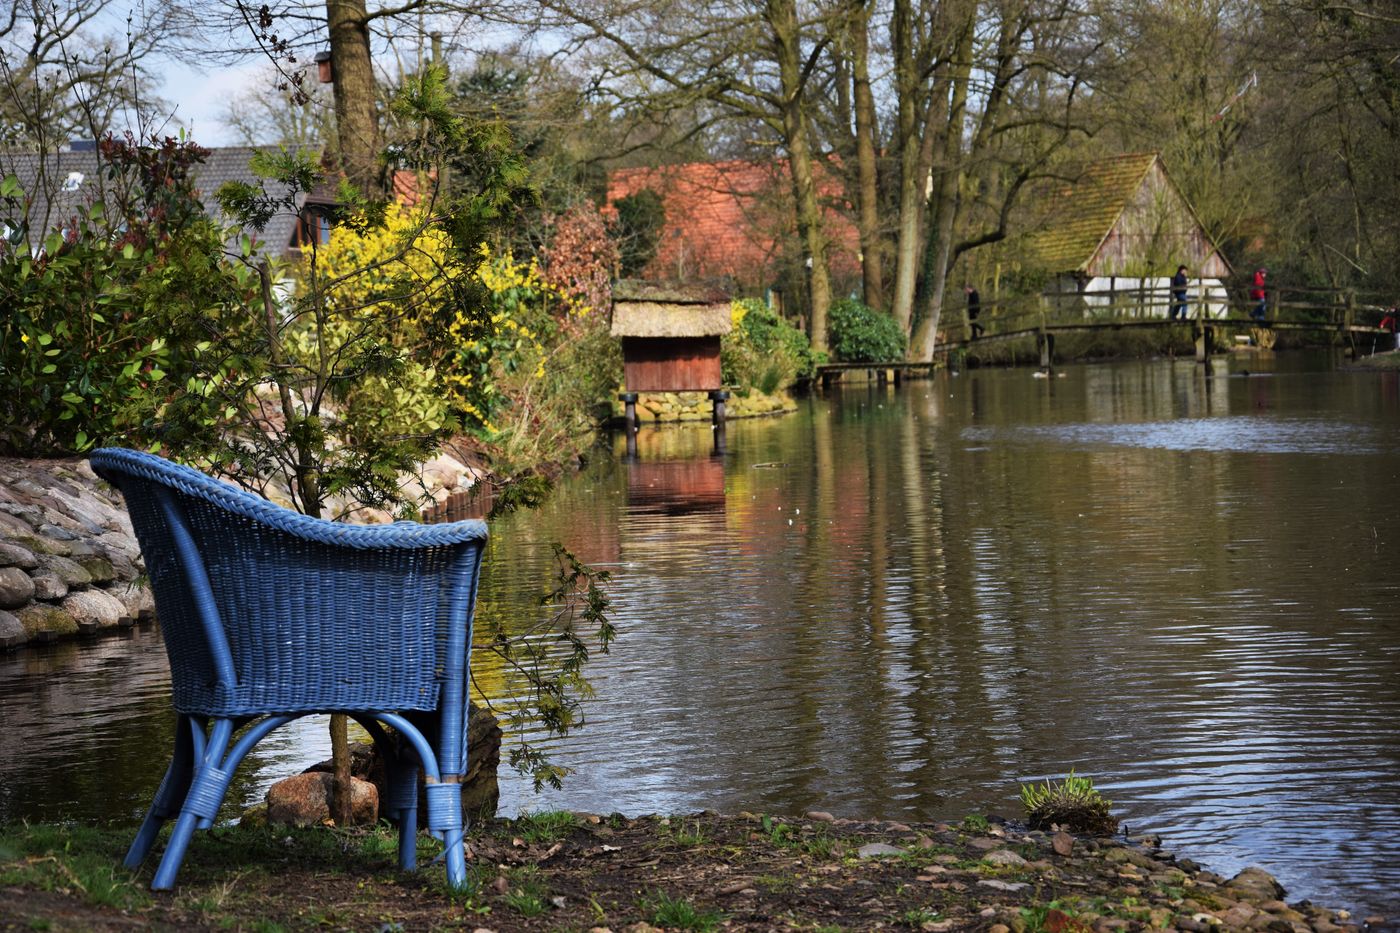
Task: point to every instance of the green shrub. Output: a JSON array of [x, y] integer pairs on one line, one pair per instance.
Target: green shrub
[[860, 334], [763, 351], [1073, 804], [98, 323]]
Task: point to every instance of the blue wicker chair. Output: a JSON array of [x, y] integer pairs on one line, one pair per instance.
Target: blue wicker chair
[[269, 615]]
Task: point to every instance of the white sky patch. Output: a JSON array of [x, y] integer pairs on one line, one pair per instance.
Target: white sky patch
[[198, 98]]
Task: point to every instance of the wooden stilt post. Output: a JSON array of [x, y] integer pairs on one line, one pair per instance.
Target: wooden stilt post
[[1045, 343], [718, 396], [1203, 335], [629, 411]]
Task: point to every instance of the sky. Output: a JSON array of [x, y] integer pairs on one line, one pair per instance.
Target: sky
[[199, 97]]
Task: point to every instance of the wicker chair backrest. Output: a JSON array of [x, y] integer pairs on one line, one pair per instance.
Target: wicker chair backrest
[[264, 610]]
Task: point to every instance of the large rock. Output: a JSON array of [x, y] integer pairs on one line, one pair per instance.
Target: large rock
[[99, 568], [95, 606], [68, 570], [1256, 884], [49, 585], [135, 597], [304, 800], [41, 620], [37, 545], [481, 792], [12, 632], [16, 589], [12, 555]]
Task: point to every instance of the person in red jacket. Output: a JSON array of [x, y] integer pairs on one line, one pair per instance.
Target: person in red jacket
[[1258, 296]]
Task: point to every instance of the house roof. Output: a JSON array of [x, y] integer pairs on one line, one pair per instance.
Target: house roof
[[1115, 214], [1083, 210], [58, 184], [647, 309]]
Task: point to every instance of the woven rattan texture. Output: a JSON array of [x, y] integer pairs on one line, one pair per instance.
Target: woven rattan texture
[[317, 615]]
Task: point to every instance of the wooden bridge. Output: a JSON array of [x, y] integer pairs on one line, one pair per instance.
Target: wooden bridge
[[1318, 311]]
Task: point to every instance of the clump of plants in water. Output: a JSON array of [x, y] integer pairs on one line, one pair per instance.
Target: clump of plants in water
[[1073, 804], [763, 351]]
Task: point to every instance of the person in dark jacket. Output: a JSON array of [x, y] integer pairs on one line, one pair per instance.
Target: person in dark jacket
[[974, 308], [1179, 293]]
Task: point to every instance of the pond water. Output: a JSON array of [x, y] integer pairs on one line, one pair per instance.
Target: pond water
[[902, 603]]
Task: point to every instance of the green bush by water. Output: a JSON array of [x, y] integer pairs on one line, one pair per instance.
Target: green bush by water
[[763, 351], [860, 334]]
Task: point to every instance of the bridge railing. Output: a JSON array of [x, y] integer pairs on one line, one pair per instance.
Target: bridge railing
[[1314, 307]]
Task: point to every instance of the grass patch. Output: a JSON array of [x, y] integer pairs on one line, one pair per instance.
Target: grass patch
[[545, 827], [686, 836], [72, 859], [975, 823], [918, 916], [528, 895], [674, 913]]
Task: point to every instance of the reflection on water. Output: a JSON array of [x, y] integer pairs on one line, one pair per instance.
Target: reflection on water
[[1178, 579], [1244, 434], [88, 731]]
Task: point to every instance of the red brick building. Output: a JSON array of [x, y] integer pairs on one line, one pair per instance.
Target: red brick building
[[735, 220]]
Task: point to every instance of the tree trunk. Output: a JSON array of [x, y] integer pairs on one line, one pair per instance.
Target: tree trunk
[[357, 123], [908, 88], [945, 201], [868, 191], [782, 19]]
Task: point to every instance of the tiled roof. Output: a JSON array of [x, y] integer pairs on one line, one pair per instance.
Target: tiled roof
[[1077, 214], [60, 183]]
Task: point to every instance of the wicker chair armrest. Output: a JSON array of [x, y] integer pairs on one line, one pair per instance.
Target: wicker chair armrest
[[410, 535]]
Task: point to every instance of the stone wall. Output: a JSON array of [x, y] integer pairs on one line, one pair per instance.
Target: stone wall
[[69, 562], [696, 406]]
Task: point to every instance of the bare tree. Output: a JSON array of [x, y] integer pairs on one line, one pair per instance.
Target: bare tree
[[68, 68]]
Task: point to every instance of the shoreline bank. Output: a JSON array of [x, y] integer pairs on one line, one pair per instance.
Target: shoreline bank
[[704, 871]]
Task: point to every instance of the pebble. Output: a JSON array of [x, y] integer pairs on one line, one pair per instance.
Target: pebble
[[878, 849], [1004, 857], [998, 885], [1063, 843], [821, 816]]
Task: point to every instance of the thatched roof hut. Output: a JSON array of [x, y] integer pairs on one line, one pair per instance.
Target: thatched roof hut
[[643, 309], [670, 335]]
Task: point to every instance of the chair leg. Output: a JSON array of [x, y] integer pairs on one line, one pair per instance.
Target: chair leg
[[445, 815], [201, 804], [169, 798], [403, 808]]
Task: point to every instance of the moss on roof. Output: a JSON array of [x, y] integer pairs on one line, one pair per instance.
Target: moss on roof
[[1080, 211]]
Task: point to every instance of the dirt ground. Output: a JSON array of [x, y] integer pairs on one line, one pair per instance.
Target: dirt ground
[[558, 871]]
